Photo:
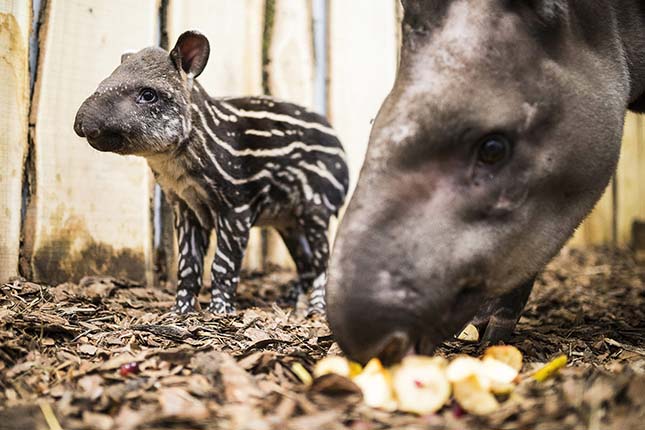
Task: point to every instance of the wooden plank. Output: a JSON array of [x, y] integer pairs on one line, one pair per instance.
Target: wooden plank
[[630, 178], [290, 77], [90, 213], [234, 29], [15, 17], [362, 66]]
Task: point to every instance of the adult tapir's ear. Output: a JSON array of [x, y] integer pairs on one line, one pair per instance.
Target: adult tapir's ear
[[190, 53]]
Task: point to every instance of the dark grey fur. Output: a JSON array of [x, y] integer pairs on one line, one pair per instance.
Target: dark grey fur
[[434, 238], [224, 164]]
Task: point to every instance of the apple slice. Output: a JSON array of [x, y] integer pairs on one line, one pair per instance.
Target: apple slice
[[500, 375], [420, 384], [375, 383], [473, 396], [469, 334], [506, 354]]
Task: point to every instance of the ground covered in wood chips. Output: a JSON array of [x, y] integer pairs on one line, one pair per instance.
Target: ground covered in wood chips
[[104, 354]]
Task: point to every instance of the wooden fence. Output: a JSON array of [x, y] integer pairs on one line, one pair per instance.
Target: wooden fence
[[68, 211]]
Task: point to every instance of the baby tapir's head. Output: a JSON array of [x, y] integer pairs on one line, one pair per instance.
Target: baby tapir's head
[[143, 107]]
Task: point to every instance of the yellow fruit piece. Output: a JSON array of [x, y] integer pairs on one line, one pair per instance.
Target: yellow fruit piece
[[376, 385], [473, 397], [550, 368], [469, 334], [332, 364], [420, 384], [301, 373], [506, 354]]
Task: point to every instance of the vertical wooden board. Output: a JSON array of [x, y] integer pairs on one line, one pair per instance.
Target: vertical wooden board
[[234, 30], [630, 178], [362, 66], [290, 77], [15, 16], [596, 229], [91, 211]]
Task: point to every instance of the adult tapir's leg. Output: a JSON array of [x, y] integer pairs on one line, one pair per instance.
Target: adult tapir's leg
[[232, 238], [296, 243], [498, 317], [192, 240]]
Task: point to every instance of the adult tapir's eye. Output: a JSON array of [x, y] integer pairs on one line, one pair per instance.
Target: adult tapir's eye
[[494, 149], [147, 95]]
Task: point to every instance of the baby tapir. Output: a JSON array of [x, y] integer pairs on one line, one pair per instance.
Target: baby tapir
[[226, 164]]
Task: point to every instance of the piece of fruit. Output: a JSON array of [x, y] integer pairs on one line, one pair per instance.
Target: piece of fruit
[[464, 367], [550, 368], [474, 397], [500, 375], [420, 384], [301, 373], [469, 334], [506, 354], [375, 383], [338, 365]]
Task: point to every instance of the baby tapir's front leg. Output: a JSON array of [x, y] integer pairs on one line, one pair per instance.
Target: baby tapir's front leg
[[192, 240], [232, 238]]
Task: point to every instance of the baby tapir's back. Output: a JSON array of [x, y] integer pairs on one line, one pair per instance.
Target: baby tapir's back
[[290, 151]]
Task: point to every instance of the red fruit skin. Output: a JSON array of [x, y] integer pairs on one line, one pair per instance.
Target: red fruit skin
[[129, 369]]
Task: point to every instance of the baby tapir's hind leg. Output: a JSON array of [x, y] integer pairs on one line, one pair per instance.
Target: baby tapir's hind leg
[[232, 238], [192, 240], [296, 243], [316, 228]]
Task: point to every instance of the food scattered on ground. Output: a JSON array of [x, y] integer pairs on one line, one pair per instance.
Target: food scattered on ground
[[469, 334], [550, 368], [64, 346], [420, 384]]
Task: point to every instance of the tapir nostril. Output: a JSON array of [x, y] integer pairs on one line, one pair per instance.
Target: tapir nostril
[[92, 133], [394, 348]]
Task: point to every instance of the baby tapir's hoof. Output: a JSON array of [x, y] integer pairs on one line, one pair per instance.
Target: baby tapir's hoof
[[220, 306], [185, 304]]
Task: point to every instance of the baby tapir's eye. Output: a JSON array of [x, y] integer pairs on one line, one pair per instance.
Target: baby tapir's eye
[[147, 95], [494, 149]]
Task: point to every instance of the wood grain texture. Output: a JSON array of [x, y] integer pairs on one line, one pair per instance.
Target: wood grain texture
[[290, 77], [630, 178], [234, 30], [15, 17], [90, 213], [596, 229], [362, 66]]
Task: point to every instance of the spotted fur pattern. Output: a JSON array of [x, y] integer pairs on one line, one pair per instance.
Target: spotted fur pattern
[[247, 162]]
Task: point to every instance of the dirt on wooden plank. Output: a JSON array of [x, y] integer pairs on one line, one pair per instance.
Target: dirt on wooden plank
[[105, 354]]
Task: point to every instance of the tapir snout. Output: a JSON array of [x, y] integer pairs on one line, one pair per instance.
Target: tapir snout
[[501, 132]]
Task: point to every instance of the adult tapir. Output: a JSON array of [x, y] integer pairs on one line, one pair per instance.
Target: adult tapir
[[501, 132]]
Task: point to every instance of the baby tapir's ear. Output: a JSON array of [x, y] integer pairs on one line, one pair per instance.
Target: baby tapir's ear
[[190, 53], [126, 55]]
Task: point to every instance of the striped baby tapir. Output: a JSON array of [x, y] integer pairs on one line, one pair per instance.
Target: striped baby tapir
[[224, 163]]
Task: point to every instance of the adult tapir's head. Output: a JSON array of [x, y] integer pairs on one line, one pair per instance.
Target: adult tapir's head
[[500, 133], [143, 107]]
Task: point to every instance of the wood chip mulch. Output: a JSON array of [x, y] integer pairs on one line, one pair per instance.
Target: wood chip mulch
[[105, 354]]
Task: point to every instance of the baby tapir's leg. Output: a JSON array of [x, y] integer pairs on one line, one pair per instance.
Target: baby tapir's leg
[[498, 317], [232, 238], [192, 240], [296, 242], [316, 227]]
